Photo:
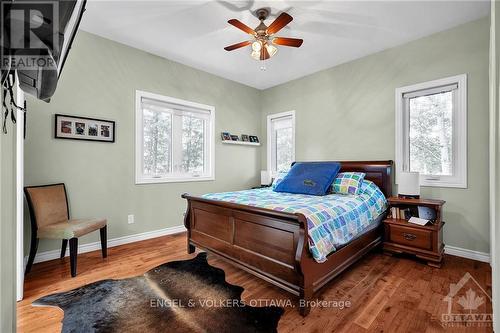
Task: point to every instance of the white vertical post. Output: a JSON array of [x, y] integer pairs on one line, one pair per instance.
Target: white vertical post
[[493, 172], [19, 195]]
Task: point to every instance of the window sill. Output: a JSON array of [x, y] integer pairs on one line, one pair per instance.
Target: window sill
[[450, 183], [144, 181], [442, 183]]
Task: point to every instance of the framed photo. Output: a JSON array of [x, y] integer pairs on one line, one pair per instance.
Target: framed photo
[[225, 136], [235, 138], [244, 137], [82, 128], [253, 138]]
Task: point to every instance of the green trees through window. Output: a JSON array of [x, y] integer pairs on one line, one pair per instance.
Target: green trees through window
[[430, 133]]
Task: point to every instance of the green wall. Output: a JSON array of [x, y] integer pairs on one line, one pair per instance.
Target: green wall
[[7, 229], [348, 113], [99, 80]]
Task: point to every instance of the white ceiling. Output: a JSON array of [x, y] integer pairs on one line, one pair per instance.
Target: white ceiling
[[194, 33]]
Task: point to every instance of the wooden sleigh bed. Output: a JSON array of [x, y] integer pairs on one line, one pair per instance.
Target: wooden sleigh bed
[[273, 245]]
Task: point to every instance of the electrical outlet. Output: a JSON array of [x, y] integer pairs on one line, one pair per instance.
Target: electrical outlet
[[131, 219]]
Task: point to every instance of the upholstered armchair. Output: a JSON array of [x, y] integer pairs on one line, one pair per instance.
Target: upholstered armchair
[[50, 219]]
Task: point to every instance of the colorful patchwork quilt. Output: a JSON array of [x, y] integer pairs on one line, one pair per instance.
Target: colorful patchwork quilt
[[333, 220]]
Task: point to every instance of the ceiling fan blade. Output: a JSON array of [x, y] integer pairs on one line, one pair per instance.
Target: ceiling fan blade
[[242, 26], [279, 23], [237, 45], [294, 42], [264, 55]]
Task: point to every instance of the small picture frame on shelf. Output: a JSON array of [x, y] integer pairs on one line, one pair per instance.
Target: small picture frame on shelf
[[234, 138], [254, 138], [244, 137], [225, 136]]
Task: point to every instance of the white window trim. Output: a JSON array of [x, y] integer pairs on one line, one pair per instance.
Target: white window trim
[[269, 138], [459, 179], [139, 178]]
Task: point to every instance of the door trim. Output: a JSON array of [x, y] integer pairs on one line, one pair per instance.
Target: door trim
[[19, 196]]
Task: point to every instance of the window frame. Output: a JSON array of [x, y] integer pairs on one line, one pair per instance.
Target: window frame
[[270, 147], [173, 178], [459, 135]]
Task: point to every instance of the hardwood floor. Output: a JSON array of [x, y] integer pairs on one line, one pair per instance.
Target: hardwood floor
[[386, 294]]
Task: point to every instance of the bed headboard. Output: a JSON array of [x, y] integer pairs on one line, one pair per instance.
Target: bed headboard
[[378, 172]]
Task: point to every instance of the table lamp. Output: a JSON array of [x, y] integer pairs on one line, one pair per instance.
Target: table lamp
[[265, 178], [409, 185]]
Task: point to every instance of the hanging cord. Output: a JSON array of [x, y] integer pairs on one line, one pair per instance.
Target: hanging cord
[[4, 106], [11, 93], [5, 75], [8, 87], [5, 83]]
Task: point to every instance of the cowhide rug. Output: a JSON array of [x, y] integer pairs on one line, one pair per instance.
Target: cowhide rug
[[179, 296]]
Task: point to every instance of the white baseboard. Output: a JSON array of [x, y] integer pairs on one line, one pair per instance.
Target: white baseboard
[[54, 254], [469, 254]]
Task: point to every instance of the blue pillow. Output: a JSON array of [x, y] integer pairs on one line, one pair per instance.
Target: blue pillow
[[312, 178]]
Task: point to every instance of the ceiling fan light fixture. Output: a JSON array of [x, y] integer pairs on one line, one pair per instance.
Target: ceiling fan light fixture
[[255, 55], [271, 49], [257, 46]]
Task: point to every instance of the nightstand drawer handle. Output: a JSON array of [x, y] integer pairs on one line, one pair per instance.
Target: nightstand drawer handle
[[409, 237]]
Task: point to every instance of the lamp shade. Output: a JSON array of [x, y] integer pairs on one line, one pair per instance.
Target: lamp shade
[[265, 177], [409, 184]]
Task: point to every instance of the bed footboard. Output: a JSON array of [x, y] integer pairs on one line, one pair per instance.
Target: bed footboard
[[264, 242]]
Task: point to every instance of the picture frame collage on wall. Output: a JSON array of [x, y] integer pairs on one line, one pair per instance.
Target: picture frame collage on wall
[[83, 128], [226, 136]]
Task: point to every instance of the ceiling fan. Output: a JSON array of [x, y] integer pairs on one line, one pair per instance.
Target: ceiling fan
[[263, 36]]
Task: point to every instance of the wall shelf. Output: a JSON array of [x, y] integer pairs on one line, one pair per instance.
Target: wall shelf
[[243, 143]]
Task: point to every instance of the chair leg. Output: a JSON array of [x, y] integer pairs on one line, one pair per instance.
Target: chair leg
[[73, 251], [63, 248], [33, 248], [190, 248], [104, 241]]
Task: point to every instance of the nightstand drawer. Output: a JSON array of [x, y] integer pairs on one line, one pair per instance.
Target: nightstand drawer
[[411, 237]]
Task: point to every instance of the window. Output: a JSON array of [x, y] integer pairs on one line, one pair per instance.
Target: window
[[281, 141], [431, 131], [174, 140]]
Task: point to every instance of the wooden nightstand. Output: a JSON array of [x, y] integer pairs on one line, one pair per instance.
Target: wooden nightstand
[[425, 242]]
